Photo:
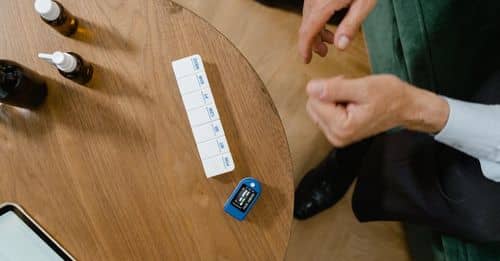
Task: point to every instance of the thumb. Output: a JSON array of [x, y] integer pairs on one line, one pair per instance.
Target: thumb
[[350, 25], [335, 90]]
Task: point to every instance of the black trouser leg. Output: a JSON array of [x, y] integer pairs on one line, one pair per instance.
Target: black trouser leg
[[408, 176]]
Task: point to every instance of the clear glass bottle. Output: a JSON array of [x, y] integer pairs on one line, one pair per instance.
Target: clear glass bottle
[[55, 15], [20, 86]]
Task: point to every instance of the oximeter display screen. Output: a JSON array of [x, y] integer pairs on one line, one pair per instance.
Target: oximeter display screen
[[243, 198]]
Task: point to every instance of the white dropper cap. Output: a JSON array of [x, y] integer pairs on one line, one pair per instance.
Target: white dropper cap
[[47, 9], [63, 61]]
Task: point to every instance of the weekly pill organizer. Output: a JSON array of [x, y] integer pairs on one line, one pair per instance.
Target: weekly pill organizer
[[203, 116]]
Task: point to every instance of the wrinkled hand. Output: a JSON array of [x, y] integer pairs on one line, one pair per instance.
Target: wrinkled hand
[[349, 110], [313, 35]]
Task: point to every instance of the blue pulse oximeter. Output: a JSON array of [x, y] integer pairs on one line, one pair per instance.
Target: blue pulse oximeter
[[243, 198]]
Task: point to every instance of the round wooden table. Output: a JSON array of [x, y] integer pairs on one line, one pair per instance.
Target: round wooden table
[[111, 170]]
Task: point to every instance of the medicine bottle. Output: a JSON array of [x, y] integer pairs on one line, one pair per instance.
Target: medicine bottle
[[70, 65], [20, 86], [54, 14]]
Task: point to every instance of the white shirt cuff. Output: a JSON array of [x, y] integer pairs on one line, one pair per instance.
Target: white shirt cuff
[[490, 169], [475, 130]]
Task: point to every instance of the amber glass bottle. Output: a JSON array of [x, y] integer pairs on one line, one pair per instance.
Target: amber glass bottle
[[70, 65], [83, 72], [20, 86], [54, 14]]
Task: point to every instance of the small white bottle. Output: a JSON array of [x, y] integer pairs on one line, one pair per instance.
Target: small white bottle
[[70, 65], [54, 14]]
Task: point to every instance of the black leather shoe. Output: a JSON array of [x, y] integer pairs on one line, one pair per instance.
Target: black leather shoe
[[296, 6], [322, 187]]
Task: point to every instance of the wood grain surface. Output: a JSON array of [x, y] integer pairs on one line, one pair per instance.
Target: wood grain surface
[[111, 170], [268, 38]]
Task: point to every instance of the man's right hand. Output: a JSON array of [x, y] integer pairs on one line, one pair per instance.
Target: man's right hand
[[313, 35]]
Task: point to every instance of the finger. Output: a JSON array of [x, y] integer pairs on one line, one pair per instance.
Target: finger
[[327, 116], [341, 90], [350, 25], [336, 90], [315, 118], [306, 7], [311, 113], [320, 48], [327, 36], [312, 24]]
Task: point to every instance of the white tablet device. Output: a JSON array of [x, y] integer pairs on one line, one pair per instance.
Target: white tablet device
[[22, 239]]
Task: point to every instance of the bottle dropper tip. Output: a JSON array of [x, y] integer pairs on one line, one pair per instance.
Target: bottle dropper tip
[[46, 57]]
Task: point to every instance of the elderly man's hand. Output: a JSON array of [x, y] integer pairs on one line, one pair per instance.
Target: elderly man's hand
[[313, 35], [349, 110]]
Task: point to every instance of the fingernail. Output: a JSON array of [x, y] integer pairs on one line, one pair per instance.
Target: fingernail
[[315, 88], [343, 42], [304, 59]]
